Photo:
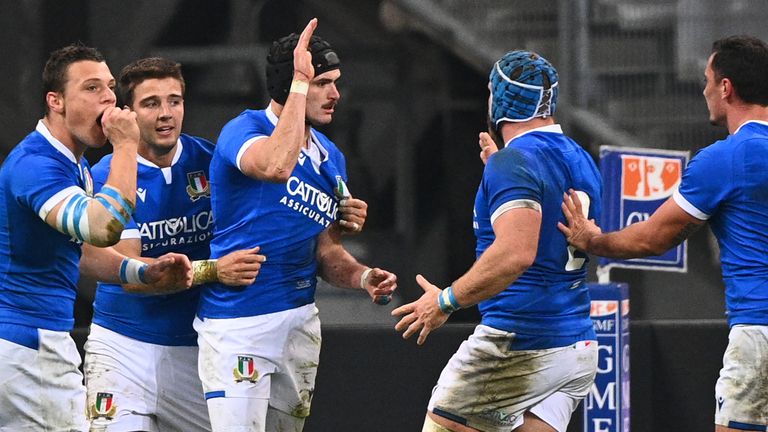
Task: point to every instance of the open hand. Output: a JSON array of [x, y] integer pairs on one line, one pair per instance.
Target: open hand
[[487, 146], [302, 57], [579, 231], [423, 315]]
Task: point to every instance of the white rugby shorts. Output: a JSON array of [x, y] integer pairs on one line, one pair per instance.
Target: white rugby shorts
[[487, 386], [134, 385], [741, 400], [42, 389], [270, 357]]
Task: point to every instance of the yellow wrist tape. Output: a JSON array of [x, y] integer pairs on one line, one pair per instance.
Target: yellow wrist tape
[[204, 271]]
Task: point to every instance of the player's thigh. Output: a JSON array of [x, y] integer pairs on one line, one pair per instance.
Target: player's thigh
[[239, 414], [181, 405], [293, 384], [741, 399], [42, 386], [238, 361], [487, 386], [279, 421], [121, 379]]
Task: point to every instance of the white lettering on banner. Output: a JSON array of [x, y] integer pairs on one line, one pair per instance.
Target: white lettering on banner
[[635, 217], [602, 425], [608, 368], [595, 398], [606, 325]]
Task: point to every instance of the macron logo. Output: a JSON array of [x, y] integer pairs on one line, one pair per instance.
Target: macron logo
[[142, 193], [302, 157]]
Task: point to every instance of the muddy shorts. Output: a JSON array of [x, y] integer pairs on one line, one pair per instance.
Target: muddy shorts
[[489, 387], [272, 356], [741, 392]]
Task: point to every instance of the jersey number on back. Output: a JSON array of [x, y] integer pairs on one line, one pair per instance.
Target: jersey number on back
[[577, 258]]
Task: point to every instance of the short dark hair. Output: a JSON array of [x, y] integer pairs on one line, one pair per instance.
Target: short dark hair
[[137, 72], [55, 70], [744, 61]]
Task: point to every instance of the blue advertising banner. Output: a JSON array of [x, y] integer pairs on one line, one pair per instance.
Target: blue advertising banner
[[636, 182], [606, 407]]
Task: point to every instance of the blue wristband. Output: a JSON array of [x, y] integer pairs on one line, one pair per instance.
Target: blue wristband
[[447, 301], [132, 271]]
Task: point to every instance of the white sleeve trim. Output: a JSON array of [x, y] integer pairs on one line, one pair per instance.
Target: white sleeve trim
[[246, 145], [132, 233], [57, 198], [688, 207], [509, 205]]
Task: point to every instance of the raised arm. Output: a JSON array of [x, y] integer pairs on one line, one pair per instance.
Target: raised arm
[[273, 158]]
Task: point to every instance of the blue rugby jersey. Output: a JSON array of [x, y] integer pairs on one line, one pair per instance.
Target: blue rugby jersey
[[173, 214], [726, 183], [285, 219], [547, 306], [39, 266]]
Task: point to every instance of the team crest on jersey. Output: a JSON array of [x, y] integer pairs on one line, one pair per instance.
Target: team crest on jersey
[[198, 185], [104, 406], [246, 370]]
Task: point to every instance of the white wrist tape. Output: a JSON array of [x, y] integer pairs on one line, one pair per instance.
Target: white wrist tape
[[364, 277], [299, 87]]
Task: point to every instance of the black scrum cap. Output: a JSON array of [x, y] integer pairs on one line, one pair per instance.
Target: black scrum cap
[[280, 63]]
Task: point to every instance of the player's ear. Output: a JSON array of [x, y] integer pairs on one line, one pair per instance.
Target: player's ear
[[55, 101], [727, 89]]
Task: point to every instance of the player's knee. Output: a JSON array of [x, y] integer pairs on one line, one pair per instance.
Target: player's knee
[[431, 426]]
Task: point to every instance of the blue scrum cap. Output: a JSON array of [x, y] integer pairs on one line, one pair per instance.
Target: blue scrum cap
[[523, 85]]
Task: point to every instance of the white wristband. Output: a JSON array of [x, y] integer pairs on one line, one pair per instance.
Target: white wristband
[[364, 277], [299, 87]]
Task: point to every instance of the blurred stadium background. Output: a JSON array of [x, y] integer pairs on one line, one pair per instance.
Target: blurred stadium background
[[413, 100]]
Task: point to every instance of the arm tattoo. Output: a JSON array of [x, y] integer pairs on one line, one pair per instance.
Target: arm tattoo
[[684, 233]]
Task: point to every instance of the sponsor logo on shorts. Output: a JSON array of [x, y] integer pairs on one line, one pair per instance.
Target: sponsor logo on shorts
[[198, 185], [104, 406], [246, 370]]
